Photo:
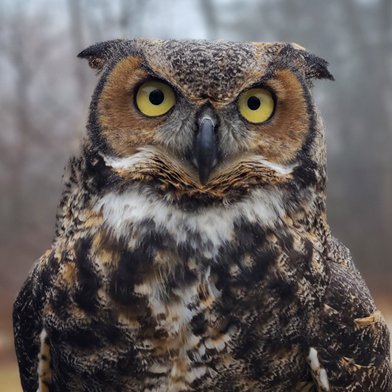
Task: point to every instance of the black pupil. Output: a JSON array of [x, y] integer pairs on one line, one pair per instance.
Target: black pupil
[[156, 97], [253, 103]]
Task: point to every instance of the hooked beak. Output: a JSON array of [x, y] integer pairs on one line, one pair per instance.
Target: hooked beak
[[205, 148]]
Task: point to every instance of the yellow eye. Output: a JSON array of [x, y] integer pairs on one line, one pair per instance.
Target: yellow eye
[[256, 105], [155, 98]]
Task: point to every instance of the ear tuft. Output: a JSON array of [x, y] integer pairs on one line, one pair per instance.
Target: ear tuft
[[314, 67], [99, 54], [317, 68]]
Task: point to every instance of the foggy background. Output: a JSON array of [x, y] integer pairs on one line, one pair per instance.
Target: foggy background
[[45, 92]]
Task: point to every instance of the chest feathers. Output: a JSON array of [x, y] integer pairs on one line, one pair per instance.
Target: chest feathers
[[197, 295]]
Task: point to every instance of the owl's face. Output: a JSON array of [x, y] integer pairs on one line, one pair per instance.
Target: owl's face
[[203, 118]]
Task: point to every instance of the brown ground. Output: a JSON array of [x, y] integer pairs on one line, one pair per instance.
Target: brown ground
[[9, 378]]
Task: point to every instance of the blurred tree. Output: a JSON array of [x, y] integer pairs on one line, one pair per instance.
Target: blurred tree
[[210, 17], [77, 38]]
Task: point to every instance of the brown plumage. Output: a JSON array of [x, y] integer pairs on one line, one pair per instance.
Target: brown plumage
[[192, 250]]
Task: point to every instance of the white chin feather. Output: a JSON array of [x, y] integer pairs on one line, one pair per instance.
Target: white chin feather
[[281, 169], [129, 162]]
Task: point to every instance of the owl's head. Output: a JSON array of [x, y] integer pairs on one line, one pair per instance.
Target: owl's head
[[206, 120]]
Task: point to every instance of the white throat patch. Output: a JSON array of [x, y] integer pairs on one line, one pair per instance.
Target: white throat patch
[[213, 225]]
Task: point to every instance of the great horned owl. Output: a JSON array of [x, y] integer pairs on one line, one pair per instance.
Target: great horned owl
[[192, 250]]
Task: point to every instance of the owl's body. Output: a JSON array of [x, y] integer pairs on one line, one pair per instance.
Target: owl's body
[[171, 271]]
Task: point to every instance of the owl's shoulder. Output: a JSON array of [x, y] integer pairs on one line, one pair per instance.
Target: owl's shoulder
[[347, 289], [353, 342]]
